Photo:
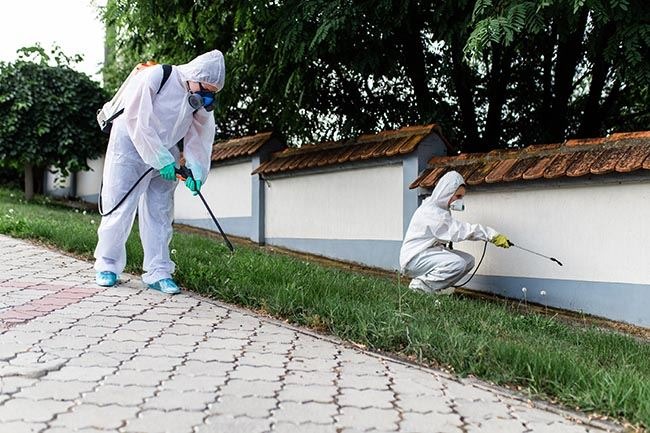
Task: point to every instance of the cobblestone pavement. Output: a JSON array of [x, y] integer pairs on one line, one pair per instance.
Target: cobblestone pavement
[[77, 357]]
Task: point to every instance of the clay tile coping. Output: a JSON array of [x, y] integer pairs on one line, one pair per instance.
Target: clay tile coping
[[621, 152], [365, 147], [242, 146]]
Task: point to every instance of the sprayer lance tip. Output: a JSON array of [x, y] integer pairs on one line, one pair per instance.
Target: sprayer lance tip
[[557, 261]]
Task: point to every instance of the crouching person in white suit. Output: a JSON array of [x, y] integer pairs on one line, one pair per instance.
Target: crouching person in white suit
[[424, 255]]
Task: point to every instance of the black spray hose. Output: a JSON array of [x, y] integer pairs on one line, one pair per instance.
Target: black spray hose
[[99, 202], [184, 173], [476, 269]]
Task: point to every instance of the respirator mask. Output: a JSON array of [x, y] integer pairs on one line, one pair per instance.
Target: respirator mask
[[202, 98], [457, 205]]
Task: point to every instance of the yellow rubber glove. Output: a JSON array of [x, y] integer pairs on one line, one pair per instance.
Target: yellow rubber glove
[[500, 241], [168, 172]]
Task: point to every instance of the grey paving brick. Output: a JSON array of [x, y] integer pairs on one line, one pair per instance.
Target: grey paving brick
[[257, 373], [83, 374], [311, 393], [23, 427], [253, 407], [135, 377], [501, 425], [425, 404], [154, 421], [173, 400], [287, 427], [299, 413], [228, 423], [251, 388], [55, 390], [152, 363], [354, 417], [98, 417], [366, 398], [32, 411], [374, 382], [131, 335], [118, 394], [193, 383], [310, 377], [210, 354], [200, 368], [434, 423]]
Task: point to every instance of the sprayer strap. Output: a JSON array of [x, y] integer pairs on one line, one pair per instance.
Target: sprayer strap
[[167, 71]]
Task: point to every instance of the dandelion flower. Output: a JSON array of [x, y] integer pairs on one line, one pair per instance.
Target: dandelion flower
[[84, 212], [76, 210], [523, 289], [543, 293], [92, 221], [11, 211], [173, 250]]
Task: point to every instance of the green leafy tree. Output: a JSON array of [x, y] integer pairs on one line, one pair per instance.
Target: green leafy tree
[[48, 115], [493, 73]]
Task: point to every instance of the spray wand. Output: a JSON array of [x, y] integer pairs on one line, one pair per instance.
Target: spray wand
[[183, 173], [537, 254]]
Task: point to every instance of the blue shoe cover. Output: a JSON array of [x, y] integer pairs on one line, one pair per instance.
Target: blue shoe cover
[[166, 285], [106, 278]]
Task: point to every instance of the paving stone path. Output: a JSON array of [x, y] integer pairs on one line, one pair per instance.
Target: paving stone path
[[78, 357]]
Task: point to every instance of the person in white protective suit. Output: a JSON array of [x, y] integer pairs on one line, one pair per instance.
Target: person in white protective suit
[[424, 255], [145, 136]]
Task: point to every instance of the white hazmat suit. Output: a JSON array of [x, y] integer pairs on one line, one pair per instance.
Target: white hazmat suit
[[424, 255], [146, 136]]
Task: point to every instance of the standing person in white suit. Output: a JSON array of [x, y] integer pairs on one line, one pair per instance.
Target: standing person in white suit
[[424, 255], [145, 136]]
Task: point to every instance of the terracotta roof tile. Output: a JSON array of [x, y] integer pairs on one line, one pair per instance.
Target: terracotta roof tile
[[537, 170], [467, 170], [368, 146], [633, 159], [478, 176], [500, 170], [517, 171], [621, 152], [237, 147], [559, 165], [432, 176], [581, 163]]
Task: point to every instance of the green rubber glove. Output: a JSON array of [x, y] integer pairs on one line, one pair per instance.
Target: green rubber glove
[[168, 172], [500, 241], [193, 185]]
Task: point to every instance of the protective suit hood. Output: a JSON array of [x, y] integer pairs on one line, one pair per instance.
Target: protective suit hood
[[206, 68], [444, 190]]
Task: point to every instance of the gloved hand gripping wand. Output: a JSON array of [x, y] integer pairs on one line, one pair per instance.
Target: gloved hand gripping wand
[[183, 173]]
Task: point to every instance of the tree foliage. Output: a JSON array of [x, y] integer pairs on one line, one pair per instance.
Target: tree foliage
[[48, 112], [492, 72]]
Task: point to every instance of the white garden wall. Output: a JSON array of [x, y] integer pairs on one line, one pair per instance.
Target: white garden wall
[[354, 214], [89, 182], [227, 191], [598, 230], [363, 203]]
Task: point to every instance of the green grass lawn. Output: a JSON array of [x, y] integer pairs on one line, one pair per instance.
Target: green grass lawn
[[581, 367]]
